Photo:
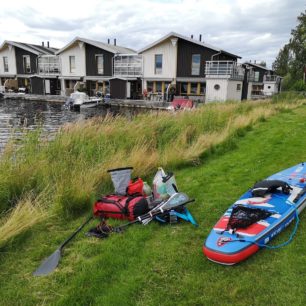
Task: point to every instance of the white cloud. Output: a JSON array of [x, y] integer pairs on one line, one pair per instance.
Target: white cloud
[[253, 29]]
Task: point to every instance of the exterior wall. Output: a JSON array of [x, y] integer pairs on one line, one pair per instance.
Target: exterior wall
[[169, 53], [270, 88], [184, 57], [77, 50], [232, 92], [213, 94], [91, 62], [227, 91], [11, 61], [118, 89], [19, 61]]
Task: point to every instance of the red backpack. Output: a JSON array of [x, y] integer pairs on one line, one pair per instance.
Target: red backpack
[[121, 207]]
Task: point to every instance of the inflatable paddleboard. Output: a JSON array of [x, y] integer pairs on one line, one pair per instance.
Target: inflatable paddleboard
[[227, 246]]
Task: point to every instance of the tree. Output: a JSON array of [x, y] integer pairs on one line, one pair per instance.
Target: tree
[[281, 64], [263, 64], [291, 59]]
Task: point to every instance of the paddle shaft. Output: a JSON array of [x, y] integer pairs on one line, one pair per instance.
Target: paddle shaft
[[149, 215], [75, 233]]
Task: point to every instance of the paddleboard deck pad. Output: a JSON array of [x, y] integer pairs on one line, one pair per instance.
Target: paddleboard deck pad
[[227, 246]]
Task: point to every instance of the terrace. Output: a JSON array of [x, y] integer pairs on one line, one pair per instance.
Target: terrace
[[224, 69], [128, 66], [49, 65]]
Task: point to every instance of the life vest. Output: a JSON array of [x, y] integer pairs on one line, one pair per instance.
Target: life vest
[[121, 207]]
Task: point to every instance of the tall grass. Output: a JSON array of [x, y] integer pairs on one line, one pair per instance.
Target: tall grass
[[73, 166]]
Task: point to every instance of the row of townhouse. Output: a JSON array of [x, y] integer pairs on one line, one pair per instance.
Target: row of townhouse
[[175, 63]]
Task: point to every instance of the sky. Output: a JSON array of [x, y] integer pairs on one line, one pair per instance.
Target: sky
[[252, 29]]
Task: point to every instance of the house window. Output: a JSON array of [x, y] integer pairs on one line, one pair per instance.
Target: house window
[[202, 88], [158, 87], [100, 63], [184, 88], [26, 64], [72, 64], [150, 86], [195, 64], [238, 87], [158, 63], [256, 76], [5, 64], [193, 88]]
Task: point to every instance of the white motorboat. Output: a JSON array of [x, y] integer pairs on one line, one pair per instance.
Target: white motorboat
[[78, 100]]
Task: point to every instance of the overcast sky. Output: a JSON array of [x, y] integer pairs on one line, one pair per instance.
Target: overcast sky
[[253, 29]]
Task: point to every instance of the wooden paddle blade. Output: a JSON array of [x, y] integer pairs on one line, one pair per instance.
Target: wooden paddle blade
[[49, 264]]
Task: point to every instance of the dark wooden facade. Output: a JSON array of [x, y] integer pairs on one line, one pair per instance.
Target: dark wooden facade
[[184, 57], [19, 61], [118, 88], [91, 61], [38, 86]]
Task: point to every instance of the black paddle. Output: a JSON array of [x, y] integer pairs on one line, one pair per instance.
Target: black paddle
[[50, 263]]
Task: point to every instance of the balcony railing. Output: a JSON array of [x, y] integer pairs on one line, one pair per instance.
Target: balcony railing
[[49, 65], [224, 69], [128, 65], [271, 78]]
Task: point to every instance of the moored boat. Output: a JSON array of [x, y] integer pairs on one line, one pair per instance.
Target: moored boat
[[78, 100]]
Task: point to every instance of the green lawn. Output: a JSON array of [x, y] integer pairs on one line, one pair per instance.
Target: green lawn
[[164, 265]]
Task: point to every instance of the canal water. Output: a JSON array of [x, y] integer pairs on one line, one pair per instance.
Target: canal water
[[19, 116]]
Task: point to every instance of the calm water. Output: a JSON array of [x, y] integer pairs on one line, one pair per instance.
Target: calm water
[[17, 116]]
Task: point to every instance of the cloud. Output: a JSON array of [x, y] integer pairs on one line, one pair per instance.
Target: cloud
[[251, 29]]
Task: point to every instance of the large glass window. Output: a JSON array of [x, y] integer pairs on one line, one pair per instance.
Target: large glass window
[[100, 64], [158, 63], [72, 64], [158, 86], [184, 88], [150, 86], [193, 88], [5, 64], [26, 63], [202, 88], [256, 76], [195, 64]]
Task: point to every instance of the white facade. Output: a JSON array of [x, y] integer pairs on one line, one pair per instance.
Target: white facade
[[8, 52], [270, 88], [220, 90], [77, 50], [168, 50]]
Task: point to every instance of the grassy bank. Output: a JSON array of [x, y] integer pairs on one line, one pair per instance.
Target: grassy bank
[[217, 153]]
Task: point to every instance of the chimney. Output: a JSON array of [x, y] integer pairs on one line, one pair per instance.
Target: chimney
[[200, 38], [114, 41], [43, 43], [191, 36], [108, 40], [48, 44], [254, 61]]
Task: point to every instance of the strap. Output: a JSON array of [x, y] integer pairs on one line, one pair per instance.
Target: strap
[[271, 247]]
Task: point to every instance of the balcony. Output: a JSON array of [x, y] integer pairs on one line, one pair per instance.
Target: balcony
[[272, 78], [224, 70], [128, 66], [49, 65]]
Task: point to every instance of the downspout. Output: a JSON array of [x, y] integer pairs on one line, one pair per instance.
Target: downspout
[[212, 57]]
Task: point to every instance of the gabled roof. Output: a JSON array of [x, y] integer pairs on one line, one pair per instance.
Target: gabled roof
[[35, 49], [257, 66], [108, 47], [194, 41]]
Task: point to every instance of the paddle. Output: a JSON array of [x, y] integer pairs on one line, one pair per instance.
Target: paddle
[[50, 263], [176, 200]]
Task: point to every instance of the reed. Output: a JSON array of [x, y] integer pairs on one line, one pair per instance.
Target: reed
[[73, 166]]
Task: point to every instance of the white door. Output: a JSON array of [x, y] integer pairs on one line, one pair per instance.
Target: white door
[[47, 87], [128, 90]]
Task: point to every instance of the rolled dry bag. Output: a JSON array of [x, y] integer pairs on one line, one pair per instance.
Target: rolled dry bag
[[121, 207]]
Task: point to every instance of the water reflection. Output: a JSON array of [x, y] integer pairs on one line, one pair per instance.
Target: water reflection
[[17, 117]]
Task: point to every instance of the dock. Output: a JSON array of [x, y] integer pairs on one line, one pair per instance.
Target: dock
[[144, 104]]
